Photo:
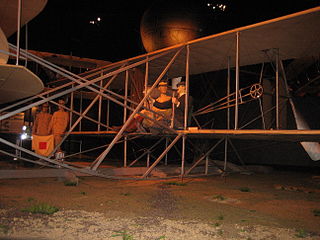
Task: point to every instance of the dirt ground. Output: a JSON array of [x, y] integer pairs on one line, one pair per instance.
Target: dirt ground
[[277, 205]]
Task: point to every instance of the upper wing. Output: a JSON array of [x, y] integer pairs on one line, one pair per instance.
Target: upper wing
[[296, 35]]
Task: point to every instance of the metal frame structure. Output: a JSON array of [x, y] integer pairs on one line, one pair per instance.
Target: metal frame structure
[[98, 82]]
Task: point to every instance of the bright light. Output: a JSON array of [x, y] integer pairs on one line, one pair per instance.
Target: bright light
[[222, 7], [24, 128], [98, 19], [92, 22], [218, 6], [23, 136]]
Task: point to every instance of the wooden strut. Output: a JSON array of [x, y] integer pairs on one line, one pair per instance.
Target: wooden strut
[[98, 161], [161, 156], [203, 156]]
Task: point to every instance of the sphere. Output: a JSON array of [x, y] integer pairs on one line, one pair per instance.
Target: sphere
[[167, 23]]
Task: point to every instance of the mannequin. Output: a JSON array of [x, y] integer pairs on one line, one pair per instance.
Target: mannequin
[[42, 121], [180, 103], [59, 123], [163, 105]]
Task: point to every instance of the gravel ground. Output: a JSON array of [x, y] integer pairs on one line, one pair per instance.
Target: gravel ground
[[272, 206], [75, 224]]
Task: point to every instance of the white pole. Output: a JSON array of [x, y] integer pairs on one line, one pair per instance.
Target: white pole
[[237, 82], [18, 31]]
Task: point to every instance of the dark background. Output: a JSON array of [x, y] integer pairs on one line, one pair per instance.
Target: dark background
[[64, 26]]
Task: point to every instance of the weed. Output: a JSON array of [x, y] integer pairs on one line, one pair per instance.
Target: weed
[[220, 232], [83, 193], [175, 183], [243, 220], [4, 229], [301, 233], [220, 217], [70, 183], [216, 224], [316, 212], [220, 197], [30, 199], [42, 208], [125, 194], [124, 235], [245, 189], [161, 237]]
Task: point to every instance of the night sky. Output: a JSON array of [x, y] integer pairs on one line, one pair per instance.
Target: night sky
[[64, 26]]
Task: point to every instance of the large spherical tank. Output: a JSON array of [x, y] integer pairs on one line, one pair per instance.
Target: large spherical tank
[[167, 23]]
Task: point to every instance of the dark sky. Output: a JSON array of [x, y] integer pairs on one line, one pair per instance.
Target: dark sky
[[64, 25]]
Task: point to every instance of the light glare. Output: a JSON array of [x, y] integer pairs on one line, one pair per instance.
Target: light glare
[[24, 136]]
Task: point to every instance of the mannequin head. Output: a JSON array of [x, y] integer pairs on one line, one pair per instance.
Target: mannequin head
[[181, 88], [61, 102], [45, 108], [163, 87]]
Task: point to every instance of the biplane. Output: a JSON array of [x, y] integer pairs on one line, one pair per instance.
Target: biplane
[[270, 48]]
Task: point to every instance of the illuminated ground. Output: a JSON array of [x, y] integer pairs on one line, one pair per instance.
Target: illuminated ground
[[276, 205]]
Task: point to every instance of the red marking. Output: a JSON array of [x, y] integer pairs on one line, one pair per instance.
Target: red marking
[[42, 145]]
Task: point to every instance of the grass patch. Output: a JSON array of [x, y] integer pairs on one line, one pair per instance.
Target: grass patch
[[245, 189], [30, 199], [216, 224], [83, 193], [70, 183], [316, 212], [4, 228], [42, 208], [175, 183], [301, 233], [220, 217], [125, 194], [220, 197], [161, 237], [124, 235]]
